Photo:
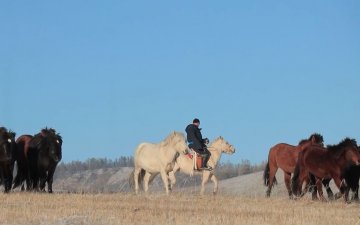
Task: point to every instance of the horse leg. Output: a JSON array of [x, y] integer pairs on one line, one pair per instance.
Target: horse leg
[[136, 179], [165, 179], [319, 189], [303, 177], [346, 196], [205, 178], [216, 183], [172, 177], [330, 194], [339, 185], [311, 186], [50, 178], [272, 172], [356, 194], [42, 178], [7, 178], [146, 181], [287, 179]]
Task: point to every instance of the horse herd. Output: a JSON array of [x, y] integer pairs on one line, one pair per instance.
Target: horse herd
[[311, 163], [312, 166], [35, 157], [307, 167]]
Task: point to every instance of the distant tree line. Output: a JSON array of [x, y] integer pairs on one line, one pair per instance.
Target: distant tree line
[[228, 169], [67, 169], [224, 170]]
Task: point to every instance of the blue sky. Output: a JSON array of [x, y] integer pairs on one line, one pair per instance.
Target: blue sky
[[111, 74]]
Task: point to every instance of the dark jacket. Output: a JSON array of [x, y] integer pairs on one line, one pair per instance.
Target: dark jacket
[[194, 137]]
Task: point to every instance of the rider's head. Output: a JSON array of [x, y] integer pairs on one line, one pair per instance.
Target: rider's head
[[196, 122]]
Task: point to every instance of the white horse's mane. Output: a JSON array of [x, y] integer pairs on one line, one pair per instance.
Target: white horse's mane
[[169, 139], [220, 138]]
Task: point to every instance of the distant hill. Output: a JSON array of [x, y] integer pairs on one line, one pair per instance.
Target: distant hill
[[116, 180]]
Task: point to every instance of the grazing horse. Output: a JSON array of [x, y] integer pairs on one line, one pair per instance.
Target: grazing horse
[[186, 164], [157, 158], [37, 158], [324, 164], [284, 156], [7, 149]]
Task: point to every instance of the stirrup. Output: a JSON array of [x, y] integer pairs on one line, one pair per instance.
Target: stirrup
[[208, 168]]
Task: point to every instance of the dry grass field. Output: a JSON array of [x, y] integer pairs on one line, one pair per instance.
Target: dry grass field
[[27, 208]]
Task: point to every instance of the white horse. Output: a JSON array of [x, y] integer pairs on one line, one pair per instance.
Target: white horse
[[157, 158], [186, 165]]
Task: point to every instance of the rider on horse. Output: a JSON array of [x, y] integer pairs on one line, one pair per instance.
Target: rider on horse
[[197, 143]]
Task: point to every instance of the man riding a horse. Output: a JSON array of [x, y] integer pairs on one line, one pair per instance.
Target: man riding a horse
[[197, 143]]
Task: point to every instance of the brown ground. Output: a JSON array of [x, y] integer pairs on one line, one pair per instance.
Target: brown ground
[[27, 208]]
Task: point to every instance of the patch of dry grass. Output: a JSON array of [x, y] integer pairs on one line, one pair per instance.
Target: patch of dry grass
[[25, 208]]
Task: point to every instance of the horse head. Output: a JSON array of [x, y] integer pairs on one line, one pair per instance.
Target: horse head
[[346, 149], [50, 145], [177, 141], [6, 144], [314, 139], [223, 145], [352, 154]]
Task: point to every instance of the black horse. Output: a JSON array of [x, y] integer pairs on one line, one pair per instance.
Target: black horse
[[351, 175], [37, 159], [7, 150]]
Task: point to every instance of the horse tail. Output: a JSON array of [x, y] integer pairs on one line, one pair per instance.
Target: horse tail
[[266, 174], [140, 179], [295, 180]]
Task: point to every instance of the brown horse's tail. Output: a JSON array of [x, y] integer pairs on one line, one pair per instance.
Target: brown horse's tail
[[140, 179], [266, 175], [295, 180]]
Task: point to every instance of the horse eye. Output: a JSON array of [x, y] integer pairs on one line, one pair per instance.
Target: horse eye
[[57, 141]]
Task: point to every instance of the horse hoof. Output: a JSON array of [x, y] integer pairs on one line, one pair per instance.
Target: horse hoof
[[315, 199]]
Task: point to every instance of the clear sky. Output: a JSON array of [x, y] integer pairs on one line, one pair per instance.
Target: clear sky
[[111, 74]]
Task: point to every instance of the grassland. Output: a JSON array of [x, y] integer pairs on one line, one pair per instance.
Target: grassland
[[25, 208]]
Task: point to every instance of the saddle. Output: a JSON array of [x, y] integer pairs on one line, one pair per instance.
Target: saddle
[[197, 159]]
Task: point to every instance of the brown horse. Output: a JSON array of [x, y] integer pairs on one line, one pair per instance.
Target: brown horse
[[324, 164], [284, 156], [21, 161]]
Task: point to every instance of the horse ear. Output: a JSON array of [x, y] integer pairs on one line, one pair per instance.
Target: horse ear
[[313, 139]]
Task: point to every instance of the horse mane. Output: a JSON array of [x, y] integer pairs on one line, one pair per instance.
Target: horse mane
[[216, 139], [338, 149], [12, 134], [3, 130], [318, 139], [7, 133], [46, 132], [169, 139]]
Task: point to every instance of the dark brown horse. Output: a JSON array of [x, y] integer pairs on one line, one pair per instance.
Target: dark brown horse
[[22, 162], [284, 156], [37, 159], [7, 149], [325, 164]]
